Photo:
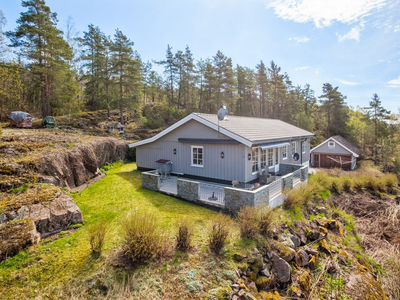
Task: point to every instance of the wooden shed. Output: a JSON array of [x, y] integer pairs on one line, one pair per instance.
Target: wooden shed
[[335, 152]]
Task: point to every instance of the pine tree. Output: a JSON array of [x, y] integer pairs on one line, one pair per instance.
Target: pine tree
[[278, 89], [179, 63], [170, 70], [123, 63], [334, 107], [188, 67], [93, 55], [377, 113], [262, 85], [3, 48], [44, 48]]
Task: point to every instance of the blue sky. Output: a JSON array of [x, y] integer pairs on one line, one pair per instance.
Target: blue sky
[[353, 44]]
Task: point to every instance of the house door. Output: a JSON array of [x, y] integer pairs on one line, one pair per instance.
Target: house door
[[276, 159], [316, 160]]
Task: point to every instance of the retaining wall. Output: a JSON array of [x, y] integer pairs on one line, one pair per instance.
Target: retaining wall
[[150, 181], [188, 190]]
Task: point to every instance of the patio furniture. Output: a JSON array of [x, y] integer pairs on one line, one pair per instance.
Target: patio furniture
[[234, 182], [164, 167]]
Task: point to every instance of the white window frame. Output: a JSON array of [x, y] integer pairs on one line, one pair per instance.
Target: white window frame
[[270, 159], [294, 147], [192, 158], [264, 159], [285, 151], [276, 162], [255, 158], [331, 146], [303, 147]]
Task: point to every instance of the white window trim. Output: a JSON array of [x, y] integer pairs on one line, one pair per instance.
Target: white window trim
[[285, 151], [331, 146], [258, 161], [294, 148], [191, 156], [303, 147]]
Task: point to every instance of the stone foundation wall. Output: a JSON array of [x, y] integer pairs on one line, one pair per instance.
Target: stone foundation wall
[[261, 196], [304, 173], [150, 181], [286, 168], [188, 190], [236, 198], [287, 181]]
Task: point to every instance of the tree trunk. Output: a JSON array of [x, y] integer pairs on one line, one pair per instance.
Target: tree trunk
[[120, 98]]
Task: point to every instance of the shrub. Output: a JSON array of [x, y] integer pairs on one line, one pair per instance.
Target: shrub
[[248, 221], [142, 236], [266, 219], [132, 154], [337, 185], [115, 164], [184, 234], [97, 234], [219, 232], [347, 184], [389, 181]]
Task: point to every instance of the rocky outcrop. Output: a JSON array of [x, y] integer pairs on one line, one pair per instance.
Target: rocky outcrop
[[74, 167], [15, 236]]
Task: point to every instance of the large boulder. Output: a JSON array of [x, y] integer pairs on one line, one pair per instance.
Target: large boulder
[[15, 236], [281, 267]]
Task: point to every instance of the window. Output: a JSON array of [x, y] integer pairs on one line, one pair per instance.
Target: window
[[270, 157], [276, 156], [263, 158], [254, 160], [331, 144], [284, 152], [294, 147], [197, 156], [303, 147]]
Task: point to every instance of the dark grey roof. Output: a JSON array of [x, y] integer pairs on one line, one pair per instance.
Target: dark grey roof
[[347, 144], [258, 130]]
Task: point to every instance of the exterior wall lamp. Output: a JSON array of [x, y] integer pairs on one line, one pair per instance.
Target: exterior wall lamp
[[222, 154], [249, 156], [174, 151]]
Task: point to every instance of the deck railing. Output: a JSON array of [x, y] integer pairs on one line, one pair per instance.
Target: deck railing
[[209, 192], [275, 188]]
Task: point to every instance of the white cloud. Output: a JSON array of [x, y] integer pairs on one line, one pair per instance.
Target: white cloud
[[381, 60], [353, 34], [300, 39], [301, 68], [347, 82], [316, 71], [325, 12], [394, 82]]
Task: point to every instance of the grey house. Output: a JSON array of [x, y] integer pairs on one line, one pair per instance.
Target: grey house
[[236, 149], [227, 164]]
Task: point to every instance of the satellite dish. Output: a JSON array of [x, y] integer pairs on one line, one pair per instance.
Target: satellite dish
[[296, 156], [222, 112]]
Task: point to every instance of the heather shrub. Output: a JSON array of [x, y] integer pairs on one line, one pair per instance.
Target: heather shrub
[[389, 181], [218, 232], [248, 221], [142, 236], [184, 234], [97, 235], [266, 219], [347, 183]]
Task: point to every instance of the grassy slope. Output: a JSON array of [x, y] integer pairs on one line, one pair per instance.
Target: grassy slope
[[45, 268]]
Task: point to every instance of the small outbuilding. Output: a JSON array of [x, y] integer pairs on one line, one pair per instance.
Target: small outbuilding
[[335, 152], [20, 119]]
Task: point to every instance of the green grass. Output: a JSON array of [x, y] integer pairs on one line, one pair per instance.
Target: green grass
[[46, 267]]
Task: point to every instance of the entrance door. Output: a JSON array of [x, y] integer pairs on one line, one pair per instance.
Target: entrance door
[[316, 160], [276, 159]]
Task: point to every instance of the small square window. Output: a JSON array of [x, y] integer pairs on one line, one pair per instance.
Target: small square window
[[331, 144]]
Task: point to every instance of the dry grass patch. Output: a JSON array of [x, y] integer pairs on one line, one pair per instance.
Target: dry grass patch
[[218, 232]]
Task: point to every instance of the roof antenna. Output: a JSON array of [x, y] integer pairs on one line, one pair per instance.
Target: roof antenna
[[222, 112]]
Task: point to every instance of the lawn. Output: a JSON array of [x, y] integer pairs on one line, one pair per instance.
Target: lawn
[[64, 268]]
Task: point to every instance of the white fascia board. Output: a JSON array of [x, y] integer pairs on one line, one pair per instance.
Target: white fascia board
[[200, 120], [332, 139]]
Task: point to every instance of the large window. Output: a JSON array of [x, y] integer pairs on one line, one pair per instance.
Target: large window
[[294, 147], [254, 160], [263, 158], [303, 147], [270, 157], [285, 152], [276, 156], [197, 156]]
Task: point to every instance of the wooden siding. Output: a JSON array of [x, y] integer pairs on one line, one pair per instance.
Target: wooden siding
[[338, 150], [231, 167]]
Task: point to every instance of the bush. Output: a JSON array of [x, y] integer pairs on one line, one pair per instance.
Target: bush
[[184, 234], [114, 165], [132, 154], [142, 236], [248, 221], [219, 232], [266, 218], [97, 234]]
